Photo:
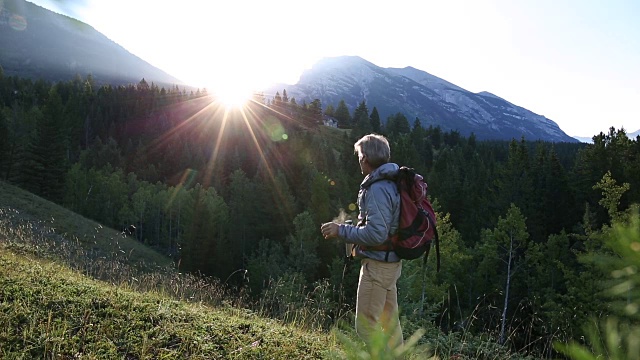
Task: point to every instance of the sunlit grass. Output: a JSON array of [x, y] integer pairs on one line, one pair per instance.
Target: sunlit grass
[[51, 306], [50, 311]]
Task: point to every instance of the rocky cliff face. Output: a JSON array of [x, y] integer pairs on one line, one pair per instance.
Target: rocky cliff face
[[418, 94]]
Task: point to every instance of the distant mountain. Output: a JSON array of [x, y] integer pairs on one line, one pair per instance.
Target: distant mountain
[[589, 140], [40, 44], [418, 94], [584, 139]]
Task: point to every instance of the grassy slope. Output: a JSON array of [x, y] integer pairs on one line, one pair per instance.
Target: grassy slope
[[49, 310], [89, 234]]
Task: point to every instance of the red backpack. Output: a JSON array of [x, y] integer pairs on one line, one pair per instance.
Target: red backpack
[[417, 223]]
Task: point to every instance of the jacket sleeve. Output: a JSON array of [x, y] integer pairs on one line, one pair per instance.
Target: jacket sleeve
[[378, 205]]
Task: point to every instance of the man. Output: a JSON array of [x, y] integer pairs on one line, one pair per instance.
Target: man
[[379, 206]]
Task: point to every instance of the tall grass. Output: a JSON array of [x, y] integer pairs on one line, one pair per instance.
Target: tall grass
[[49, 310], [28, 236]]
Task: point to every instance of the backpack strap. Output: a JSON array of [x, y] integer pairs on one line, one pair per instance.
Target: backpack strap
[[424, 263], [436, 242], [387, 244]]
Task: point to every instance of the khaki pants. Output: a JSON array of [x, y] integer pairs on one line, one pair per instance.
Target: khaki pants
[[377, 303]]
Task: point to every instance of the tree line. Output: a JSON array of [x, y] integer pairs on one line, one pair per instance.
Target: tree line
[[239, 195]]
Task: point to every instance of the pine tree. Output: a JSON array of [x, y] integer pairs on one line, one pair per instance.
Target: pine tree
[[45, 168], [241, 205], [329, 110], [277, 100], [397, 124], [342, 115], [362, 124], [515, 183], [303, 246], [314, 113], [511, 235], [4, 144], [376, 125]]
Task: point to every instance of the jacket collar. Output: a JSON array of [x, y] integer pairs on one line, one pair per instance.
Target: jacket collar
[[384, 171]]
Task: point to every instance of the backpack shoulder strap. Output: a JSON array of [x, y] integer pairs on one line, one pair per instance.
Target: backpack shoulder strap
[[437, 244]]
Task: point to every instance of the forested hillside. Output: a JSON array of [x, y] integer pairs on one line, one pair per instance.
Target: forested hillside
[[239, 194]]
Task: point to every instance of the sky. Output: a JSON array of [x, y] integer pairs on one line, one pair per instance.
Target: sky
[[577, 62]]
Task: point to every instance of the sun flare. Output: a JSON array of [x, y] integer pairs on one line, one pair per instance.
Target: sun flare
[[233, 97], [231, 93]]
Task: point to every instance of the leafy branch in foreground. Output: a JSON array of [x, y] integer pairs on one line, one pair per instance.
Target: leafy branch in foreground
[[356, 349], [616, 337]]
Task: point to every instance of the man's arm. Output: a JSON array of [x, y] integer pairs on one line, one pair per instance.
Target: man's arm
[[379, 215]]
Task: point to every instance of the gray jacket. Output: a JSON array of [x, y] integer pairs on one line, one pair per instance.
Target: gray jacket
[[379, 204]]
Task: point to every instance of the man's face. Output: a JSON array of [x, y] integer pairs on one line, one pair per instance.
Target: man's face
[[364, 164]]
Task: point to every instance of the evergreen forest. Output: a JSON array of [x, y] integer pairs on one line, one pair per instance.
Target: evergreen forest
[[238, 194]]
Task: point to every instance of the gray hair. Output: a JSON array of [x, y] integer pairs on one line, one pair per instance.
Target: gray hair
[[375, 148]]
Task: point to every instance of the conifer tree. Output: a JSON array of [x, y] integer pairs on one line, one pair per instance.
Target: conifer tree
[[319, 203], [511, 235], [303, 246], [240, 202], [435, 135], [44, 171], [277, 100], [342, 115], [266, 264], [4, 144], [376, 126], [516, 181], [329, 110], [314, 113], [362, 124], [397, 124]]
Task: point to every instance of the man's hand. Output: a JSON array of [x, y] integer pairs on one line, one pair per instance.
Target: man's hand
[[329, 230]]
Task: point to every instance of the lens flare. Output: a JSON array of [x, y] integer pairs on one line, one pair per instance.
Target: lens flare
[[274, 129], [18, 23]]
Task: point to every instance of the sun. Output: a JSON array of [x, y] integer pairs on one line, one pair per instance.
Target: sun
[[233, 96], [231, 91]]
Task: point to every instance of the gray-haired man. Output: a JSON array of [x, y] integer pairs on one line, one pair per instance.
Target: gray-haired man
[[379, 210]]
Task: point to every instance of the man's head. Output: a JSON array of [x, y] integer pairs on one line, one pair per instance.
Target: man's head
[[372, 150]]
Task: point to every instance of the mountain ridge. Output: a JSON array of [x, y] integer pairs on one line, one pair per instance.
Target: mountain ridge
[[418, 94], [41, 44]]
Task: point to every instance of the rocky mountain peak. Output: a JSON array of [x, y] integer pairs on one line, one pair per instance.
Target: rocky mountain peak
[[418, 94]]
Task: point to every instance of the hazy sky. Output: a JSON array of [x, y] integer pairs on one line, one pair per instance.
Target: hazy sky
[[575, 61]]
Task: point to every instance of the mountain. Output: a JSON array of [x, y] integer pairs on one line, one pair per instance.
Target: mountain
[[40, 44], [418, 94], [584, 139], [589, 140]]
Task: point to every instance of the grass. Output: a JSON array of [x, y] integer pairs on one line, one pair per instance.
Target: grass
[[67, 226], [49, 311], [70, 288]]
